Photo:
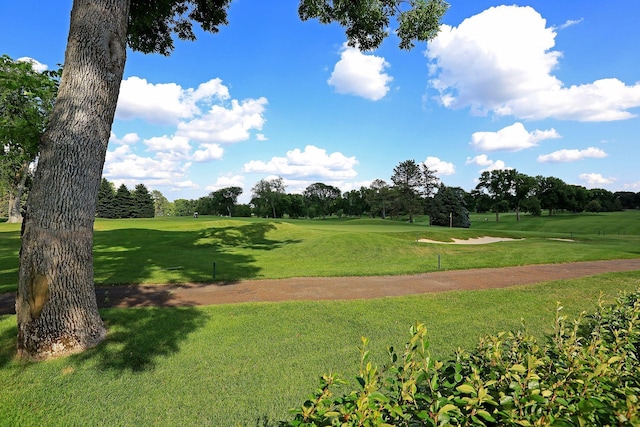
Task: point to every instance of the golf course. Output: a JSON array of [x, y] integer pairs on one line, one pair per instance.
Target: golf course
[[249, 363]]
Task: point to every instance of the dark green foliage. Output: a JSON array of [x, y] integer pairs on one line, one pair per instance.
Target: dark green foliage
[[105, 207], [142, 203], [367, 22], [123, 203], [588, 373], [152, 23], [447, 208]]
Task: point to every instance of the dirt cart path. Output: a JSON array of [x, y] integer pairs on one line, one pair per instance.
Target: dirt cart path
[[340, 288]]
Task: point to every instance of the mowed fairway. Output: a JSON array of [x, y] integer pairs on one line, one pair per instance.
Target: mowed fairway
[[178, 250], [246, 364]]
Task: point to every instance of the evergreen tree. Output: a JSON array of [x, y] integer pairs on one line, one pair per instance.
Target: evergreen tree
[[105, 207], [143, 206], [123, 203], [448, 208]]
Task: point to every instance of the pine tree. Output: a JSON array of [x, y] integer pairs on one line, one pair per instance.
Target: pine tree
[[142, 206], [105, 207]]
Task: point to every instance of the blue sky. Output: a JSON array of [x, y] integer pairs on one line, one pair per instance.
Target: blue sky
[[546, 87]]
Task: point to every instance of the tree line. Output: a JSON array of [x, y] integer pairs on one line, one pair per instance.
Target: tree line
[[413, 190], [122, 203]]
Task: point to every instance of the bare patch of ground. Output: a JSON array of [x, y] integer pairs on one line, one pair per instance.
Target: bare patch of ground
[[341, 288]]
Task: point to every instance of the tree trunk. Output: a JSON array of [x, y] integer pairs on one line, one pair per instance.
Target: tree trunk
[[15, 197], [56, 303]]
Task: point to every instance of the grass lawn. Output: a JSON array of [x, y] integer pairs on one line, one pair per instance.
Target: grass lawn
[[247, 364], [173, 250]]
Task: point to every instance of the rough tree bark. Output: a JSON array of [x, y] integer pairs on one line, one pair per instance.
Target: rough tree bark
[[56, 304]]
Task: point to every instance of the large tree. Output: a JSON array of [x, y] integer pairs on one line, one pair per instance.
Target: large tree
[[26, 100], [56, 305], [321, 197], [267, 196]]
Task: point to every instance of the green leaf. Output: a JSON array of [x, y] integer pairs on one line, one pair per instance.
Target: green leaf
[[486, 415], [466, 389]]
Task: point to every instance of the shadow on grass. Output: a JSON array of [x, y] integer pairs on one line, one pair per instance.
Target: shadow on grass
[[8, 341], [138, 337], [132, 256]]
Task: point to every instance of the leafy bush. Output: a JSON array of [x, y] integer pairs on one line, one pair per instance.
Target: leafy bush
[[586, 373]]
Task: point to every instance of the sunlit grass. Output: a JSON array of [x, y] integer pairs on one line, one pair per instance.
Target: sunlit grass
[[246, 364], [184, 249]]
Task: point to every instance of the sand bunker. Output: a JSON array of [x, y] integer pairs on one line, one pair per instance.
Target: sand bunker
[[475, 241]]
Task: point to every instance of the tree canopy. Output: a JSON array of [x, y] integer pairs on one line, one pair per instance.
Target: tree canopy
[[26, 100]]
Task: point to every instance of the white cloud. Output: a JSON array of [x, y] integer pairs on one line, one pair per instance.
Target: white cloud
[[313, 162], [487, 164], [634, 186], [570, 23], [595, 179], [208, 152], [162, 103], [35, 64], [172, 144], [123, 165], [361, 75], [572, 155], [227, 181], [441, 167], [261, 137], [510, 138], [226, 125], [130, 138], [501, 61]]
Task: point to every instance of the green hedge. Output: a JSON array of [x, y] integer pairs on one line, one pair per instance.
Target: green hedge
[[587, 373]]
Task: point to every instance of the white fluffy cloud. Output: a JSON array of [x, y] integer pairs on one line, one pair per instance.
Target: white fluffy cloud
[[511, 138], [441, 167], [501, 61], [122, 165], [486, 163], [361, 75], [226, 125], [312, 163], [595, 179], [572, 155], [36, 65], [227, 181]]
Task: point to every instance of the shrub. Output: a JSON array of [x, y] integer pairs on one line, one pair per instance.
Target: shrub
[[586, 373]]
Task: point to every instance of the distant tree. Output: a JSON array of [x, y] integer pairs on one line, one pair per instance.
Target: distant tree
[[408, 181], [242, 210], [26, 101], [378, 196], [448, 208], [354, 202], [628, 199], [123, 202], [105, 207], [161, 205], [267, 194], [321, 197], [551, 192], [142, 202], [184, 207], [524, 187], [297, 206], [500, 185], [606, 199], [227, 198]]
